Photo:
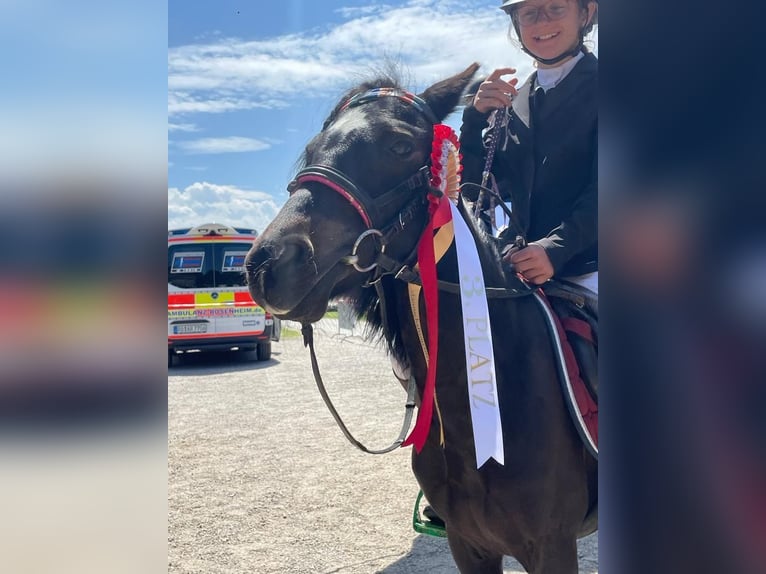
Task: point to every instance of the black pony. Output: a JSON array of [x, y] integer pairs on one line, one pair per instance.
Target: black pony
[[367, 170]]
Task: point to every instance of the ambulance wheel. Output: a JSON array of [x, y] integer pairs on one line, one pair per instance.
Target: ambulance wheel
[[264, 351]]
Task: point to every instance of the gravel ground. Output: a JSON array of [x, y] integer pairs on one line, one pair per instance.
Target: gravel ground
[[262, 481]]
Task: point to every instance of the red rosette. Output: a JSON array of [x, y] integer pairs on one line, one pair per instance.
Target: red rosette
[[446, 161]]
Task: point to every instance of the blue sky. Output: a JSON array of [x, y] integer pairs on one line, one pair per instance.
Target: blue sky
[[250, 84]]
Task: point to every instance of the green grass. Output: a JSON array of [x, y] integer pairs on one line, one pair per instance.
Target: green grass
[[289, 333]]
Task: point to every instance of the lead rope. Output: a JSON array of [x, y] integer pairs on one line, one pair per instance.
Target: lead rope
[[496, 125], [494, 138], [308, 341]]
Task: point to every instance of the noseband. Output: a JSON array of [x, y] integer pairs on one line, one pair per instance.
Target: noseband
[[370, 208]]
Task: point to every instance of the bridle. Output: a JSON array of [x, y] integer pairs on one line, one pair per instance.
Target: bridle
[[368, 207], [371, 209]]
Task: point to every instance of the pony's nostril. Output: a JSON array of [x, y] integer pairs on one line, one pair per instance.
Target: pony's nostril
[[291, 251], [296, 249], [258, 261]]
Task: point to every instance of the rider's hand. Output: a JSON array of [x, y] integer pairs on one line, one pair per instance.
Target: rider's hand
[[532, 262], [495, 93]]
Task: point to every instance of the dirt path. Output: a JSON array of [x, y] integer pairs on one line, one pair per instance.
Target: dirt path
[[262, 481]]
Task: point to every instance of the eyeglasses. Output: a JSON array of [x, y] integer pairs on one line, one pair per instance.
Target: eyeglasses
[[530, 15]]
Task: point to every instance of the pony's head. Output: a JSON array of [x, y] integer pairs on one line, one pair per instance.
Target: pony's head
[[366, 170]]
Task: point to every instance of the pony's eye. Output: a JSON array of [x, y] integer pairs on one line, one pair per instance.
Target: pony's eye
[[402, 148]]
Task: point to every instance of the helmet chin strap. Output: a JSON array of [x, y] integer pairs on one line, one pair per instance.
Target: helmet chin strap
[[550, 61]]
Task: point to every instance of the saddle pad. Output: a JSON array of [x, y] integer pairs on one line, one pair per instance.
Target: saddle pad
[[582, 408]]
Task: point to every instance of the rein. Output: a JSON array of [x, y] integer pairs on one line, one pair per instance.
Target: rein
[[408, 275], [308, 341]]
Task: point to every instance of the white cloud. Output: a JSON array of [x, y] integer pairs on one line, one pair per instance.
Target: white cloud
[[432, 39], [182, 127], [223, 145], [352, 11], [204, 202], [183, 102]]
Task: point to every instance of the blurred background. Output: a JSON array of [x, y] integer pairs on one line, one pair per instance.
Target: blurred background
[[683, 250], [82, 219]]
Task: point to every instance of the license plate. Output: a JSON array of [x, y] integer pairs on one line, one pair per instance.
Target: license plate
[[187, 329]]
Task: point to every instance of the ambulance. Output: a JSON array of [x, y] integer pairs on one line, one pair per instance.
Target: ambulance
[[209, 306]]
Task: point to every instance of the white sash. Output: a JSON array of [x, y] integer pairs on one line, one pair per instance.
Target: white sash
[[479, 356]]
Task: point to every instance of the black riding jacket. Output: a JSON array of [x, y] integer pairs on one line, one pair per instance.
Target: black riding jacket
[[549, 167]]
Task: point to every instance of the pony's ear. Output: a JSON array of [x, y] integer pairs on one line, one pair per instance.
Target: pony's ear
[[443, 96]]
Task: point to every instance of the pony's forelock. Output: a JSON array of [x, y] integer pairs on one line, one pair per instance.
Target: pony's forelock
[[385, 80], [390, 77]]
